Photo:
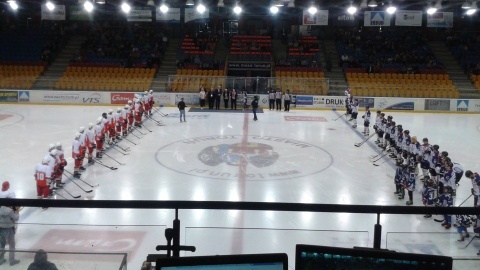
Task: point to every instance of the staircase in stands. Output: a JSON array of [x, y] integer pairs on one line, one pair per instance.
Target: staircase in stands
[[455, 72], [336, 77], [167, 67], [53, 72]]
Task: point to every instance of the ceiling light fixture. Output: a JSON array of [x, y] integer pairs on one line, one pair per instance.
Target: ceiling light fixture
[[312, 10], [189, 3], [13, 4], [50, 6], [164, 8], [274, 9], [291, 4], [351, 10], [466, 5], [237, 9], [150, 3], [372, 3], [391, 9], [88, 6], [201, 8], [126, 8]]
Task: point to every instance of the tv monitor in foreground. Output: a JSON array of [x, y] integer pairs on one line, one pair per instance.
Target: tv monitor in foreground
[[310, 257], [274, 261]]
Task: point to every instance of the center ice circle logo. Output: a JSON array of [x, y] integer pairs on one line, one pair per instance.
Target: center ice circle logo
[[236, 157]]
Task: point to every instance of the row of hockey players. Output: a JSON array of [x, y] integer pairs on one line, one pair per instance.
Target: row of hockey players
[[109, 128], [440, 174]]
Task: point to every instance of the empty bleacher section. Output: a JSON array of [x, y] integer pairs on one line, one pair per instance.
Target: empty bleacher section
[[301, 80], [196, 53], [106, 78], [465, 48], [435, 84], [251, 48], [19, 76], [24, 54], [303, 52]]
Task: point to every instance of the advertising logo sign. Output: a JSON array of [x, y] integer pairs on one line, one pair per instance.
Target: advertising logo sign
[[394, 104], [408, 18], [58, 14], [173, 15], [62, 98], [8, 96], [120, 98], [437, 105], [440, 19], [191, 14], [376, 18], [246, 158], [93, 98], [462, 105], [24, 96], [319, 18], [304, 101]]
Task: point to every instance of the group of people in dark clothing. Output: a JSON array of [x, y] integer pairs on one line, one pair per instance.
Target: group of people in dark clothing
[[214, 96]]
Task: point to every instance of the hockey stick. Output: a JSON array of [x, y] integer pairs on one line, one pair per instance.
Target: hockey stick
[[123, 149], [135, 128], [375, 156], [125, 154], [364, 141], [154, 120], [113, 159], [145, 127], [469, 242], [465, 200], [129, 140], [377, 159], [137, 136], [75, 197], [88, 184], [55, 193], [84, 190], [111, 168], [339, 117], [378, 164], [160, 112]]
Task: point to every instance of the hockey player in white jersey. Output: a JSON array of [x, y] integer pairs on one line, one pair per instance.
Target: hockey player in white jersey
[[354, 109], [366, 121]]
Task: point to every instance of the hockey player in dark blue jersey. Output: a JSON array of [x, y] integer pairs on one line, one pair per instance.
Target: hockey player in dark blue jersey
[[462, 222], [446, 200], [428, 194], [399, 179], [409, 184]]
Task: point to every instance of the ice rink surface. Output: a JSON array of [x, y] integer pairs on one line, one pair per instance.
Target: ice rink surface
[[299, 156]]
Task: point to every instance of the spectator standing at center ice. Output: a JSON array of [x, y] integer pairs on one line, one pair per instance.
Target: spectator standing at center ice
[[278, 99], [181, 107], [245, 100], [255, 107]]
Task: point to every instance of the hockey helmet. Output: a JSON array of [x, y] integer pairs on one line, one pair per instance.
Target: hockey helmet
[[110, 111], [390, 117], [425, 140], [99, 120], [367, 107], [151, 91], [81, 129], [45, 160], [436, 147], [51, 146], [90, 125], [126, 107], [382, 114], [130, 101], [469, 174], [407, 131], [448, 189], [444, 154], [119, 110], [104, 115], [77, 135], [399, 161], [146, 92], [53, 152]]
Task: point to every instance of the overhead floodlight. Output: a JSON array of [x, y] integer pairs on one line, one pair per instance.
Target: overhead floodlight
[[466, 5], [13, 4], [50, 6], [88, 6], [279, 3], [312, 10], [100, 2], [431, 10], [372, 3], [164, 8], [150, 3], [126, 8], [201, 8], [189, 3], [237, 9], [472, 10], [274, 9], [291, 4], [351, 10], [391, 9]]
